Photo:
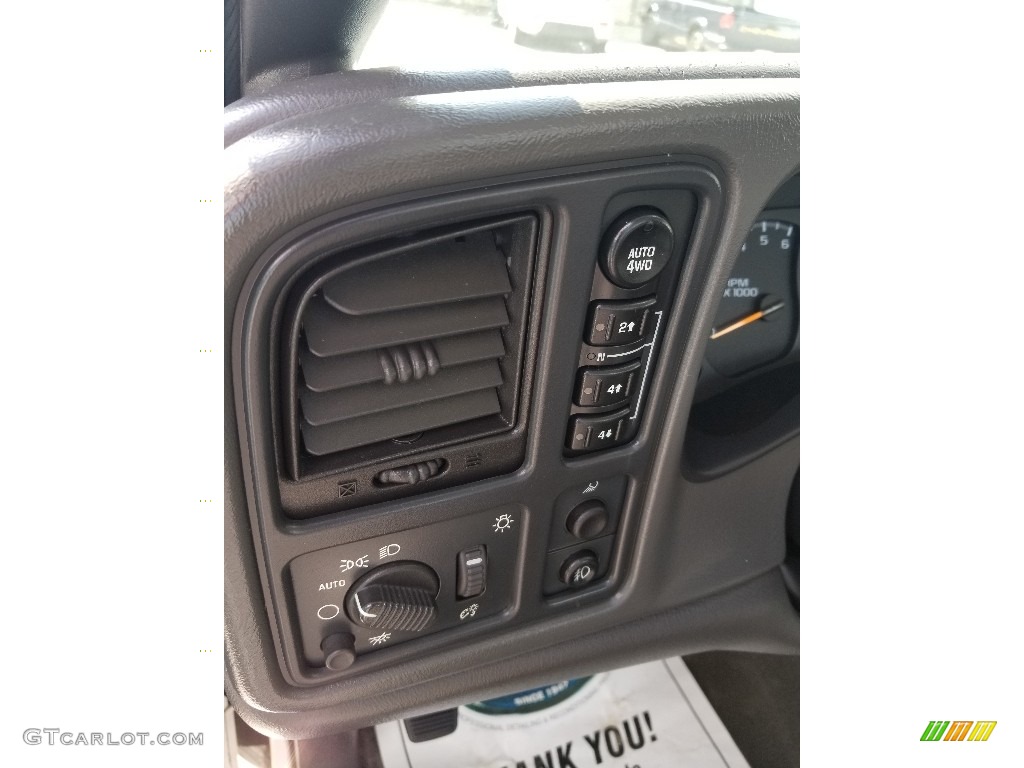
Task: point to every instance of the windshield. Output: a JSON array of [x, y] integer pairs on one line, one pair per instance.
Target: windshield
[[457, 34]]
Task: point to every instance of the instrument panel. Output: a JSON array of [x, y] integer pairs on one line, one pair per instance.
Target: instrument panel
[[756, 330], [756, 323]]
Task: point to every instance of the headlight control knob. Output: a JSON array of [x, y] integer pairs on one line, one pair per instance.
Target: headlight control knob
[[396, 597]]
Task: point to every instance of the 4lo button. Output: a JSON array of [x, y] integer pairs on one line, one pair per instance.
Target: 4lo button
[[592, 433]]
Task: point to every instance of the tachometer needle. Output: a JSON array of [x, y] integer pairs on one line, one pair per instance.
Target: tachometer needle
[[751, 318]]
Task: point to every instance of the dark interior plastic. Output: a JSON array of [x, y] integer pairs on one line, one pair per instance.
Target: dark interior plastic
[[392, 350], [697, 495]]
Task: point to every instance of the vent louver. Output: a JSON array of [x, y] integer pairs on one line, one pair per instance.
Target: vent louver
[[406, 347]]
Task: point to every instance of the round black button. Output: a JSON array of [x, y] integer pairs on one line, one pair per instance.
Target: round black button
[[339, 651], [587, 520], [579, 570], [636, 247]]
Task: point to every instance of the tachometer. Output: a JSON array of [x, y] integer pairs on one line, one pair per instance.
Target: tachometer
[[757, 320]]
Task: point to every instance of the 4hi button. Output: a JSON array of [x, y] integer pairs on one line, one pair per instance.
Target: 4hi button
[[636, 247]]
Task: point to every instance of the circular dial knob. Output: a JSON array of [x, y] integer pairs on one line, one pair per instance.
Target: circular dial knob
[[637, 247], [399, 597], [579, 570], [339, 651], [587, 520]]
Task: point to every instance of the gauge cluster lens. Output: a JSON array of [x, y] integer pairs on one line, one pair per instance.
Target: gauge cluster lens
[[756, 322]]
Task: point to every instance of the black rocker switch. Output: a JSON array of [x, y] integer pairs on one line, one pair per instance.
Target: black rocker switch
[[472, 572]]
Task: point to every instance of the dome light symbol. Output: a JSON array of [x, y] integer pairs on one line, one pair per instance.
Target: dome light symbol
[[502, 523]]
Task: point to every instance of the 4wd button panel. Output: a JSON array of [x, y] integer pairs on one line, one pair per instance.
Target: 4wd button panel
[[635, 270]]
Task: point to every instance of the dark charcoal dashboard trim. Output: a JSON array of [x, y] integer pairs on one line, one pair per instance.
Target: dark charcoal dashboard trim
[[282, 539], [327, 162]]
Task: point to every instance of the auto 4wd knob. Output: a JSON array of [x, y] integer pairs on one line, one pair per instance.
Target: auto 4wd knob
[[636, 247]]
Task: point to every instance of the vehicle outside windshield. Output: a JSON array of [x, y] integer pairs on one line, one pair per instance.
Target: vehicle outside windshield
[[458, 34]]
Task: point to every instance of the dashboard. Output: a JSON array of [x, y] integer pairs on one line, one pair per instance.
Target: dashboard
[[514, 379]]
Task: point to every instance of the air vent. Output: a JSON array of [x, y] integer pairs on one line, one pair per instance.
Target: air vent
[[407, 347]]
